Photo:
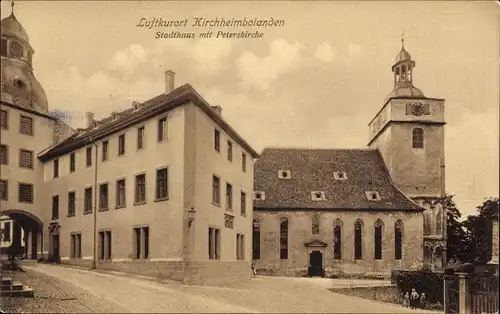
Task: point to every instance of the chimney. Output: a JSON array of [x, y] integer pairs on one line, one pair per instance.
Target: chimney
[[217, 109], [169, 81], [90, 119]]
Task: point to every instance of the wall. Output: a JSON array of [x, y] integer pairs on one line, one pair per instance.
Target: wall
[[300, 231], [163, 218], [209, 162]]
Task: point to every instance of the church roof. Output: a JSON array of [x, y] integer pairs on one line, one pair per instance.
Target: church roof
[[316, 170], [10, 26], [147, 110]]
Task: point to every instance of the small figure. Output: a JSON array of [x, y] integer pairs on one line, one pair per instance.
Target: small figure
[[423, 300], [413, 298], [406, 300], [254, 270]]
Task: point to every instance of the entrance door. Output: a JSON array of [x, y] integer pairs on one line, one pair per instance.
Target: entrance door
[[316, 264], [55, 247]]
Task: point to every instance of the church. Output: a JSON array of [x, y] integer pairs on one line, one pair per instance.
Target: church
[[364, 212]]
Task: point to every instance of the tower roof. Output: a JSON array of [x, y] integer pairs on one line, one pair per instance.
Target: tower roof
[[10, 26], [403, 55]]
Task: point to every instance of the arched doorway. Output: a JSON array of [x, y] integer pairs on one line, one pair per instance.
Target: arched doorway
[[21, 234]]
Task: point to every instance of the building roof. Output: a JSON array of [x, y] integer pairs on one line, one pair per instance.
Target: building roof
[[403, 55], [147, 110], [313, 170], [10, 26], [407, 91]]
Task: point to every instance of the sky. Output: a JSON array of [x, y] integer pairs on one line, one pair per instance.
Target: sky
[[316, 81]]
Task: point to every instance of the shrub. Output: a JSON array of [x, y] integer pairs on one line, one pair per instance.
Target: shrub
[[428, 282]]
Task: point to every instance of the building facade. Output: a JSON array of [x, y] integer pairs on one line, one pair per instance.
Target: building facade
[[361, 211], [162, 188]]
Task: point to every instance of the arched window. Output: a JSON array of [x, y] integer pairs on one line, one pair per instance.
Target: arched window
[[397, 74], [358, 240], [418, 138], [403, 73], [337, 239], [315, 224], [427, 255], [3, 47], [438, 257], [256, 239], [284, 238], [16, 50], [427, 222], [378, 238], [398, 240], [439, 221], [408, 75]]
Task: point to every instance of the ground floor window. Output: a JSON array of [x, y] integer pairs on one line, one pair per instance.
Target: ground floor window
[[76, 245], [105, 245], [240, 247], [141, 242], [213, 243]]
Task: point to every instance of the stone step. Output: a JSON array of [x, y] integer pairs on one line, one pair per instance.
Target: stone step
[[5, 281], [24, 293], [12, 287]]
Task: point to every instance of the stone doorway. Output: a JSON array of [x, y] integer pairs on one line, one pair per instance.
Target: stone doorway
[[316, 264], [54, 249]]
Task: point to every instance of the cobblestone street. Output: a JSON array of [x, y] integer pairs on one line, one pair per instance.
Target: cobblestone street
[[83, 291], [53, 295]]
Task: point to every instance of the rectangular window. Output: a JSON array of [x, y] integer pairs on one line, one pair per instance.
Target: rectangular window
[[56, 168], [103, 197], [76, 246], [240, 247], [26, 159], [87, 201], [105, 242], [140, 137], [4, 190], [72, 162], [137, 243], [26, 125], [217, 140], [55, 207], [71, 204], [4, 155], [4, 118], [25, 193], [89, 156], [105, 150], [141, 243], [120, 193], [162, 129], [243, 162], [121, 145], [216, 190], [229, 151], [243, 206], [162, 183], [213, 243], [229, 196], [3, 47], [6, 232], [140, 188], [101, 245]]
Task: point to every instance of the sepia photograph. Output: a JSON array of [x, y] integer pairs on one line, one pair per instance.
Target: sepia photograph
[[249, 156]]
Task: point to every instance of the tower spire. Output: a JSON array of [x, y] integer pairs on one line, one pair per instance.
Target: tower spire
[[12, 7], [403, 38]]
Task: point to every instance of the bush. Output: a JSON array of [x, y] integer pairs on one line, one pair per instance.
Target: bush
[[424, 281]]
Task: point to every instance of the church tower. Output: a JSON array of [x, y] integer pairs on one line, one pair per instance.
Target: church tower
[[409, 133], [19, 85]]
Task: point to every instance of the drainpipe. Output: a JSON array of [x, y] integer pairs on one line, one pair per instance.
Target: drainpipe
[[94, 259]]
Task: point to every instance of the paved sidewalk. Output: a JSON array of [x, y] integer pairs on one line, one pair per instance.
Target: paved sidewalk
[[261, 295]]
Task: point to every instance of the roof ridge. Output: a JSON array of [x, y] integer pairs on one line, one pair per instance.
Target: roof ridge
[[319, 149]]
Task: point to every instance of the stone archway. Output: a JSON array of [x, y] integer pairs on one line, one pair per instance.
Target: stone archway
[[26, 234]]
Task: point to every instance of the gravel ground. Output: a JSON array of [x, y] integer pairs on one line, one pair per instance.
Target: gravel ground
[[54, 296]]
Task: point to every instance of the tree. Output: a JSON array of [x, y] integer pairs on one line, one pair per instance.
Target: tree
[[457, 236], [479, 235]]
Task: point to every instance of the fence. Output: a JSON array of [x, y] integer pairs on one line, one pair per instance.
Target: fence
[[484, 293]]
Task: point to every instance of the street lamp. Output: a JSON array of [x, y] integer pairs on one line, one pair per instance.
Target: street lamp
[[94, 259], [191, 216]]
